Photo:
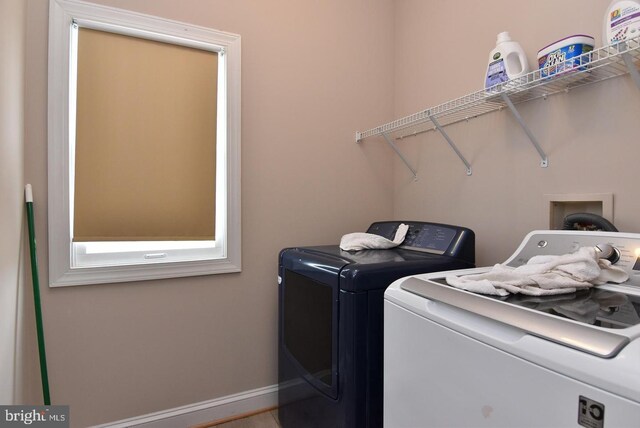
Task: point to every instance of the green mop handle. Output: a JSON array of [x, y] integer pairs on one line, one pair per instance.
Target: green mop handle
[[36, 295]]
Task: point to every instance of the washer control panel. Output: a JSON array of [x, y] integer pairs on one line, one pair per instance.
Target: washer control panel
[[621, 249]]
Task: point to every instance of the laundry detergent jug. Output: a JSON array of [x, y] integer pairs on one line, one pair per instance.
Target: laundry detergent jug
[[506, 61], [621, 21]]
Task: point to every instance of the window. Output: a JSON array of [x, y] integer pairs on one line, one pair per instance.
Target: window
[[144, 147]]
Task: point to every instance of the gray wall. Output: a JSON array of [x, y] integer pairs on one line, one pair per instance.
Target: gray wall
[[12, 53]]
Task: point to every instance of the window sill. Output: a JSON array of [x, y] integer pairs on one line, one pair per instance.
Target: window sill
[[143, 272]]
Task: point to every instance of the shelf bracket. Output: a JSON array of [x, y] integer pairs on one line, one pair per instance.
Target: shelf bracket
[[633, 71], [544, 160], [453, 146], [399, 153]]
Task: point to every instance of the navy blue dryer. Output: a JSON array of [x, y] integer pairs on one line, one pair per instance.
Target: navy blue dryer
[[331, 326]]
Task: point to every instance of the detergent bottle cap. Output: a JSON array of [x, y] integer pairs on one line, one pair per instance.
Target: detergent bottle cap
[[503, 37]]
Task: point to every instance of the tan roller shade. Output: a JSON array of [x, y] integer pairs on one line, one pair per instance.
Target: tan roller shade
[[145, 140]]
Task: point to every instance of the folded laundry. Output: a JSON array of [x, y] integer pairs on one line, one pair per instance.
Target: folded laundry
[[544, 275], [370, 241]]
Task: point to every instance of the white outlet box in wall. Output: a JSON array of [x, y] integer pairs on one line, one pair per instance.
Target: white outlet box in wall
[[562, 205]]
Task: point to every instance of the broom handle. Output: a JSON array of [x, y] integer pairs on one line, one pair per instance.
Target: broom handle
[[36, 296]]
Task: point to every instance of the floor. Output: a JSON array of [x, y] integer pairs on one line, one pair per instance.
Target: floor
[[261, 420]]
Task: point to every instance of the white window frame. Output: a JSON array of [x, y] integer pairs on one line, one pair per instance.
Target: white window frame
[[72, 264]]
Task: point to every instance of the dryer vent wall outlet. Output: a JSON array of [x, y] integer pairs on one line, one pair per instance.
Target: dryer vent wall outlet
[[560, 206]]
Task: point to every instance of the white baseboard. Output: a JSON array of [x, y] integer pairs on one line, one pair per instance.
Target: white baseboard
[[205, 411]]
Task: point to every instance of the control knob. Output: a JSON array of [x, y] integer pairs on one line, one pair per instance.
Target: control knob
[[608, 252]]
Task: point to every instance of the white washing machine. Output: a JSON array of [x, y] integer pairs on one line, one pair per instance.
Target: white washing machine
[[458, 359]]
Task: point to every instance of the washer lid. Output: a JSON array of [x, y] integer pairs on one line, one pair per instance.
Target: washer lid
[[375, 269], [577, 335], [596, 306], [368, 257]]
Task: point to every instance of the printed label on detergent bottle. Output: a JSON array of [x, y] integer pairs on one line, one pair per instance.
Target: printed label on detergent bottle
[[496, 72], [622, 21]]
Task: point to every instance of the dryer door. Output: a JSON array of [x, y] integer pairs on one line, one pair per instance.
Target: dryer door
[[309, 317]]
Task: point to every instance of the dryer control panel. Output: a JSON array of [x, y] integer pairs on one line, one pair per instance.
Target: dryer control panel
[[436, 238]]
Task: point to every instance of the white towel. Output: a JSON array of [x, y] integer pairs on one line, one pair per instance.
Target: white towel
[[544, 275], [370, 241]]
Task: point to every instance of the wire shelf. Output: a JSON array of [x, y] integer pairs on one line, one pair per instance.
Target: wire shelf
[[595, 66]]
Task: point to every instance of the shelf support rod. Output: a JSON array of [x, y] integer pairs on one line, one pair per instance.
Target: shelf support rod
[[399, 153], [544, 162], [451, 144], [633, 71]]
